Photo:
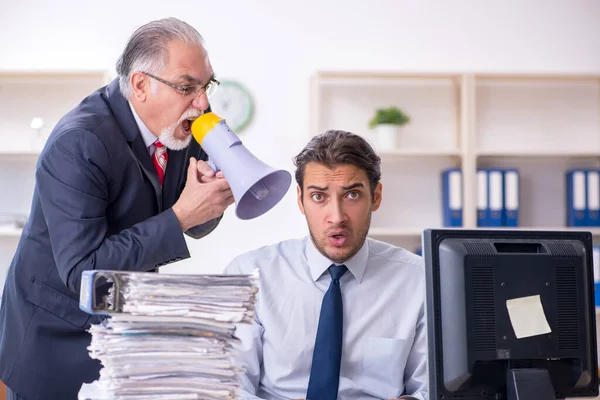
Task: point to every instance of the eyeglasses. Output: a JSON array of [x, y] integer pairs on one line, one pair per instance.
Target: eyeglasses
[[186, 90]]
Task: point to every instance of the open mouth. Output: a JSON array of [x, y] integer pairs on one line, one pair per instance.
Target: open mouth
[[338, 238], [187, 125]]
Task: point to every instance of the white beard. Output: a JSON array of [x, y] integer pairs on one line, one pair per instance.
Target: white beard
[[167, 135]]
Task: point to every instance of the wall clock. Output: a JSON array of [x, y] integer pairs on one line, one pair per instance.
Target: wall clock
[[233, 102]]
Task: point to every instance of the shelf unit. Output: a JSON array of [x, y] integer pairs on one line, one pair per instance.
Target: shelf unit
[[9, 231], [541, 124], [45, 95], [25, 95]]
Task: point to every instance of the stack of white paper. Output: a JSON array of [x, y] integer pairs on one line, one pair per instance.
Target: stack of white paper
[[172, 338]]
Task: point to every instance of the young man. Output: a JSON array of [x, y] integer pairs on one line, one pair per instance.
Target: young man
[[117, 185], [339, 315]]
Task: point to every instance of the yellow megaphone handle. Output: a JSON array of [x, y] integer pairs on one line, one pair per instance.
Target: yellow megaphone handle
[[204, 124]]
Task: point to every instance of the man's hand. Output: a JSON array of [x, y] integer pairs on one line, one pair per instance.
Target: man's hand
[[206, 174], [206, 196]]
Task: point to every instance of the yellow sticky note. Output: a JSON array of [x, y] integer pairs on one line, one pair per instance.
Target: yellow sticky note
[[527, 316]]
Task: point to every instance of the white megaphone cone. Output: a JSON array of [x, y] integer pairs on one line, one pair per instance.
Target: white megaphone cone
[[256, 187]]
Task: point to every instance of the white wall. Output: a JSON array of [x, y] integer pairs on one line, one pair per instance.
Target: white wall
[[273, 46]]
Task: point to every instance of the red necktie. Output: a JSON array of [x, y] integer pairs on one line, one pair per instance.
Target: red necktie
[[160, 160]]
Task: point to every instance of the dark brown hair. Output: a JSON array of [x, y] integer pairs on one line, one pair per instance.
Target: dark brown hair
[[335, 147]]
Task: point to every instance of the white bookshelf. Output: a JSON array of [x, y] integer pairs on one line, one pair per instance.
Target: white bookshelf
[[417, 152], [10, 231], [542, 125], [24, 95], [47, 95]]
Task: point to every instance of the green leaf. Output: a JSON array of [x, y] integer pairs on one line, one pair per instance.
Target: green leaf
[[390, 115]]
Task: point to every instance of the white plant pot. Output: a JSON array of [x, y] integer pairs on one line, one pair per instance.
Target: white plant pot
[[388, 136]]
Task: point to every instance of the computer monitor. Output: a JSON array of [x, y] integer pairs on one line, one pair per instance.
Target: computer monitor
[[510, 314]]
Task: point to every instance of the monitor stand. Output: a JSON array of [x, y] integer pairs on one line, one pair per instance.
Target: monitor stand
[[529, 384]]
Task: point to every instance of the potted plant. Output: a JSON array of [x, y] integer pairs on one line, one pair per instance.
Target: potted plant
[[387, 122]]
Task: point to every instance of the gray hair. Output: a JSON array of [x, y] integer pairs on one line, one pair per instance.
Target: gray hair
[[147, 50]]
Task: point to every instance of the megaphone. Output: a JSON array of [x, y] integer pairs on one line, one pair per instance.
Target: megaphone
[[256, 186]]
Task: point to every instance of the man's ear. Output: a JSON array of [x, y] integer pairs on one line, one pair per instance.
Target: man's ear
[[140, 86], [377, 197], [300, 202]]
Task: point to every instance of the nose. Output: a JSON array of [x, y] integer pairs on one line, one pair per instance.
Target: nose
[[200, 101], [337, 215]]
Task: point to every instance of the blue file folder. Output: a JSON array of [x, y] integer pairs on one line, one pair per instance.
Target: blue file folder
[[483, 208], [511, 197], [496, 196], [593, 197], [577, 197], [452, 197]]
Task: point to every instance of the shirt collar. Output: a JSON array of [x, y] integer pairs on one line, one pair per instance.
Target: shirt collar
[[149, 137], [318, 263]]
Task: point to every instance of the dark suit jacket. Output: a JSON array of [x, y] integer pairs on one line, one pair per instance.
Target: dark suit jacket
[[97, 204]]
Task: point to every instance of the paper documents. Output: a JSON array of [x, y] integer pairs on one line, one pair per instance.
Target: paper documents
[[527, 316], [172, 338]]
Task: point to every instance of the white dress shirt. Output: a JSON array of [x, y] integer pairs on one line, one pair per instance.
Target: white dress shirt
[[149, 137], [384, 351]]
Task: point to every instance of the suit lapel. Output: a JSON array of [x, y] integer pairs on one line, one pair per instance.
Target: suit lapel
[[145, 162], [131, 132], [174, 178]]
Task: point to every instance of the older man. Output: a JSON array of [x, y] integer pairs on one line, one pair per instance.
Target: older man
[[117, 185]]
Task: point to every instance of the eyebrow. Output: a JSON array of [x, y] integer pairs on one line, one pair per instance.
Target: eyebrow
[[195, 81], [354, 185], [324, 188]]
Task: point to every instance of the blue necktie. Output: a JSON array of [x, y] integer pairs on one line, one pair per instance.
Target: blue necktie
[[325, 371]]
